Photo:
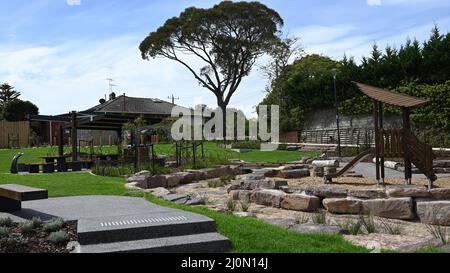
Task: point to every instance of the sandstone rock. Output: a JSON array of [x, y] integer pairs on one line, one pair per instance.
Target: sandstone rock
[[260, 175], [282, 222], [367, 193], [394, 208], [217, 172], [185, 177], [140, 181], [292, 174], [263, 184], [243, 214], [318, 229], [271, 173], [326, 191], [199, 175], [172, 180], [434, 212], [407, 191], [325, 163], [241, 195], [132, 186], [343, 205], [158, 192], [440, 194], [300, 202], [266, 197], [157, 181]]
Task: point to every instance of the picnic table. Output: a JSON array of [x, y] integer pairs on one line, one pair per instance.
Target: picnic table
[[57, 158]]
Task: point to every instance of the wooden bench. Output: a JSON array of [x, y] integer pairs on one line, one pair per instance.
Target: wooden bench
[[12, 196]]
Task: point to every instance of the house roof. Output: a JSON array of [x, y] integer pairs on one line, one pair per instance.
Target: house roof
[[389, 97], [133, 105]]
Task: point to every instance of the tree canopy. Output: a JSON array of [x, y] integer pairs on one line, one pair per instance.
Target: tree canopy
[[420, 69], [17, 110], [227, 38]]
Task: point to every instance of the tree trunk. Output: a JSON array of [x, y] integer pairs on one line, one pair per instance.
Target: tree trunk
[[223, 107]]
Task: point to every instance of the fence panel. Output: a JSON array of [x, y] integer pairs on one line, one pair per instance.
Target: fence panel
[[14, 134]]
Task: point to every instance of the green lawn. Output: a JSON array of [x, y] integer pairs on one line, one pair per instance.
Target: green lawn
[[246, 235]]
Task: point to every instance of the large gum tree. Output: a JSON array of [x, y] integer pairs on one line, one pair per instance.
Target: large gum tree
[[227, 39]]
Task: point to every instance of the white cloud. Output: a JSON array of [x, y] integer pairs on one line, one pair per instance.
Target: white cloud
[[73, 2], [72, 76], [374, 2]]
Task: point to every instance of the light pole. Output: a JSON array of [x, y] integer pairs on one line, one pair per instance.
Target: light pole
[[334, 71]]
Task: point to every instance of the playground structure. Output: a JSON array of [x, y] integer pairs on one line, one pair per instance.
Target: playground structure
[[392, 143]]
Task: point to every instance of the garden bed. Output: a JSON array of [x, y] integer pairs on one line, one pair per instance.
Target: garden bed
[[36, 236]]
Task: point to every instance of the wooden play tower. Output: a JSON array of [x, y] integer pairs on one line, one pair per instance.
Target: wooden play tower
[[401, 142], [394, 143]]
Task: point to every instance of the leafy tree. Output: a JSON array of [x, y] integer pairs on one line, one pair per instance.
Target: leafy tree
[[17, 110], [7, 94], [227, 38]]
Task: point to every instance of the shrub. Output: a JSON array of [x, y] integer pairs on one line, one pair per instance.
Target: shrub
[[58, 237], [226, 179], [4, 232], [27, 227], [353, 227], [320, 218], [245, 204], [37, 222], [302, 219], [368, 223], [54, 225], [216, 183], [391, 228], [231, 205], [6, 222], [439, 232]]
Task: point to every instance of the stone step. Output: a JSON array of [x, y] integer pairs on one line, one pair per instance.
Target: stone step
[[142, 226], [195, 243]]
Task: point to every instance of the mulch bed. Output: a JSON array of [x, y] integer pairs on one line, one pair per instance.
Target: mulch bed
[[37, 242]]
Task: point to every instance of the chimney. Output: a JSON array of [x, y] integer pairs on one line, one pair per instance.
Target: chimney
[[112, 96]]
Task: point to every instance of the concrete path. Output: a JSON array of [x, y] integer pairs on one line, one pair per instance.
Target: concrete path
[[368, 170]]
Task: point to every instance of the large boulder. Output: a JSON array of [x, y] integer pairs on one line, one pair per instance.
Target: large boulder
[[158, 192], [343, 205], [434, 212], [407, 191], [367, 193], [326, 191], [199, 175], [157, 181], [266, 197], [140, 179], [172, 180], [300, 202], [440, 194], [217, 172], [394, 208], [185, 177], [292, 174], [263, 184]]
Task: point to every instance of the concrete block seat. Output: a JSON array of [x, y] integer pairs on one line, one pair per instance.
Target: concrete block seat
[[34, 168], [118, 224], [75, 166], [48, 167], [12, 196]]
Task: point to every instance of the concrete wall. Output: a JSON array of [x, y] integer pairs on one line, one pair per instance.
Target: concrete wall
[[326, 119]]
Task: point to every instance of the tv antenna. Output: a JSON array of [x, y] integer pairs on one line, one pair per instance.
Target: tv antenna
[[173, 98], [110, 84]]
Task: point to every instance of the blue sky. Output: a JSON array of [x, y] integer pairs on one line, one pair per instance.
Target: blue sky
[[58, 53]]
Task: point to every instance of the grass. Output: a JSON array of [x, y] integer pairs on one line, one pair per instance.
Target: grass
[[247, 235]]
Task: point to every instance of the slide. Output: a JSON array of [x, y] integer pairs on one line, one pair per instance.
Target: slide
[[328, 178]]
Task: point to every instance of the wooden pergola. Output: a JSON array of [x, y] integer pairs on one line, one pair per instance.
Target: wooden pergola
[[401, 142]]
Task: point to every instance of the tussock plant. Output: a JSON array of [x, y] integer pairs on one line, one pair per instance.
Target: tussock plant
[[391, 228], [27, 227], [301, 219], [4, 232], [439, 232], [54, 225], [245, 204], [367, 221], [231, 204], [6, 222], [353, 227], [58, 237], [320, 218]]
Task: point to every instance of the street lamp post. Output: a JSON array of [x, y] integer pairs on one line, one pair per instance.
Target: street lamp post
[[334, 71]]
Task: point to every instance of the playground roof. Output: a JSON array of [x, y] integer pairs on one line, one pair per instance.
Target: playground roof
[[389, 97]]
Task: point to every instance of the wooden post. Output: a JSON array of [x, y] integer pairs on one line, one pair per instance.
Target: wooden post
[[74, 136], [381, 136], [407, 160], [61, 141], [377, 141]]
